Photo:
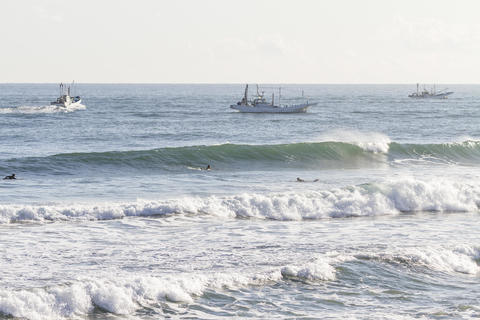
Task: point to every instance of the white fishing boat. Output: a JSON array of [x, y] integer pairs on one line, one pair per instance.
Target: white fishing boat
[[65, 100], [433, 93], [260, 105]]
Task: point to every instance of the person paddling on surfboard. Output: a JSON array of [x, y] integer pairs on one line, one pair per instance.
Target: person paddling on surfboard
[[301, 180], [12, 177]]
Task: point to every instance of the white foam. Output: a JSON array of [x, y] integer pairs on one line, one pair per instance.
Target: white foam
[[369, 141], [45, 304], [458, 260], [320, 268], [465, 138], [123, 295], [448, 260], [442, 195], [42, 109], [383, 198]]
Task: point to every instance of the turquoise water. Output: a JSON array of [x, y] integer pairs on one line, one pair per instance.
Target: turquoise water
[[112, 215]]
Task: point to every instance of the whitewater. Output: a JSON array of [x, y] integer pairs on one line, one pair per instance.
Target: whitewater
[[113, 215]]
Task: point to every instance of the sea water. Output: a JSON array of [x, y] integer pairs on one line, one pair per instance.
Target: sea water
[[113, 217]]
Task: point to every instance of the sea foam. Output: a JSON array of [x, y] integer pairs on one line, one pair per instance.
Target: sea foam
[[123, 295], [321, 268], [381, 198], [461, 259], [369, 141]]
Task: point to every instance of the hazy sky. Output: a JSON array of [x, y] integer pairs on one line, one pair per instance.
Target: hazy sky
[[296, 41]]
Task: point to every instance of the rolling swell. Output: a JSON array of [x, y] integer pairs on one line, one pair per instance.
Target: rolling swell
[[225, 156], [319, 155], [467, 152]]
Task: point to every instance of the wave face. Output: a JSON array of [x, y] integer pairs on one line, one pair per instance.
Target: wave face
[[320, 155], [386, 198], [467, 152], [226, 156]]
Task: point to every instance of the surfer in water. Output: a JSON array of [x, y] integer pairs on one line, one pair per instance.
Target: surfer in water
[[12, 177], [301, 180], [208, 168]]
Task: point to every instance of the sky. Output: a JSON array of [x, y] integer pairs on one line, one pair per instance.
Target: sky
[[239, 41]]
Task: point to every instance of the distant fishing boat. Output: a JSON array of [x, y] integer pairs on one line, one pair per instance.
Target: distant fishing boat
[[65, 100], [442, 94], [260, 105]]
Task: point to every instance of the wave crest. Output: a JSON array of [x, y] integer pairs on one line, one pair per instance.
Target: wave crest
[[462, 259], [383, 198], [235, 157], [369, 141], [124, 295]]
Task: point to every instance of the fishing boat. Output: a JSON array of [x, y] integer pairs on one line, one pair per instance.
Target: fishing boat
[[65, 100], [433, 93], [260, 105]]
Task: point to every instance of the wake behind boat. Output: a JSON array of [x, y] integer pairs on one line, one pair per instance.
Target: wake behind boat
[[260, 105], [442, 94], [65, 100]]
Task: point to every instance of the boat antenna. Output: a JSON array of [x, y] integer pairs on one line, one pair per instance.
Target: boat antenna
[[279, 94], [273, 99]]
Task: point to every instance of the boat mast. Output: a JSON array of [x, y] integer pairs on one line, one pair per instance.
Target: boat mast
[[417, 89], [246, 95], [273, 99], [279, 95]]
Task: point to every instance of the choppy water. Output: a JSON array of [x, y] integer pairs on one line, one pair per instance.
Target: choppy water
[[112, 216]]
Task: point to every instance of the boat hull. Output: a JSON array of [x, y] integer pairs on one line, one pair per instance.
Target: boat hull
[[431, 96], [66, 105], [301, 108]]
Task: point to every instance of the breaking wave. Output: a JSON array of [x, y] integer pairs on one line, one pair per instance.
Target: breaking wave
[[462, 259], [127, 294], [225, 156], [319, 155], [382, 198], [369, 141]]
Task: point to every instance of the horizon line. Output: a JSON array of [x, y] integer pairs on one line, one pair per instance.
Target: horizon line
[[243, 83]]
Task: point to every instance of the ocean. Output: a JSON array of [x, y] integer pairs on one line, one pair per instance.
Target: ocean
[[113, 217]]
